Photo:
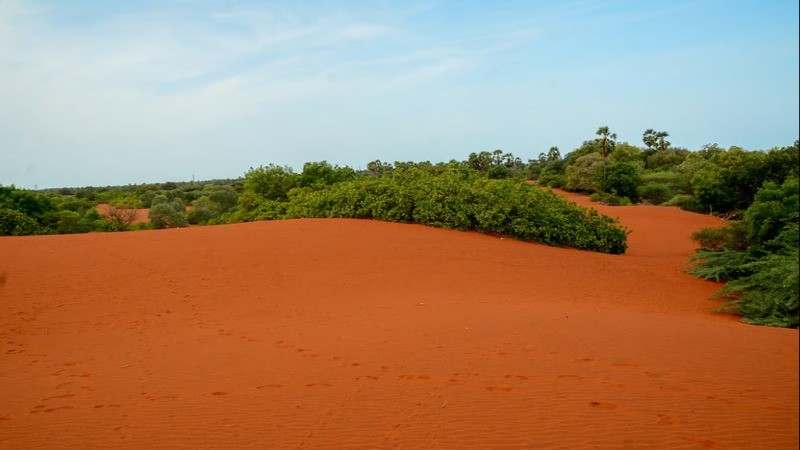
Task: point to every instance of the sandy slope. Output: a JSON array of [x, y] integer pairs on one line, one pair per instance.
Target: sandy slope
[[361, 334]]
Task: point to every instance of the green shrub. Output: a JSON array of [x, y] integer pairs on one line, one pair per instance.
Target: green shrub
[[460, 199], [167, 214], [586, 174], [731, 237], [318, 174], [498, 172], [622, 180], [16, 223], [271, 182], [659, 187], [553, 181], [656, 193], [769, 296], [684, 202], [610, 199], [775, 207], [762, 275]]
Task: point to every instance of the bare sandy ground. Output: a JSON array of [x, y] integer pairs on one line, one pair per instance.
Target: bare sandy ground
[[362, 334]]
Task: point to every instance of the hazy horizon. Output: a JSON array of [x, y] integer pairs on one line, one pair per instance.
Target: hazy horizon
[[112, 93]]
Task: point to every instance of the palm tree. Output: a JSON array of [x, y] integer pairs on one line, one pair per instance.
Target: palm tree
[[607, 143]]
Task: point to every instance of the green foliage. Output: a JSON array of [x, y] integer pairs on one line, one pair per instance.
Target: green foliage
[[721, 266], [690, 166], [119, 219], [499, 172], [731, 179], [146, 198], [215, 201], [544, 163], [319, 174], [167, 214], [624, 152], [606, 143], [377, 168], [665, 159], [775, 207], [769, 296], [553, 180], [685, 202], [731, 237], [25, 212], [203, 209], [763, 275], [72, 222], [480, 161], [659, 187], [461, 199], [610, 199], [656, 140], [69, 203], [586, 174], [126, 202], [16, 223], [29, 203], [783, 162], [271, 182], [623, 180], [497, 165]]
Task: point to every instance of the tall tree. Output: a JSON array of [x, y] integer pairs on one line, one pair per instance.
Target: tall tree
[[607, 142], [656, 140]]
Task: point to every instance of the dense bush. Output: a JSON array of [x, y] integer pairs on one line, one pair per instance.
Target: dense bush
[[458, 198], [319, 174], [758, 257], [775, 208], [212, 204], [665, 159], [732, 237], [586, 174], [271, 182], [622, 180], [659, 187], [167, 214], [685, 202], [15, 223], [610, 199]]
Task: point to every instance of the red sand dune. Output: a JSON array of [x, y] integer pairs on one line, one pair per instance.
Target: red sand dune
[[362, 334]]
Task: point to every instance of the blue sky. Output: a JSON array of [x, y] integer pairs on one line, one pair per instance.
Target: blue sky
[[107, 92]]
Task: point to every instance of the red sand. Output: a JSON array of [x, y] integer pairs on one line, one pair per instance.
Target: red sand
[[362, 334]]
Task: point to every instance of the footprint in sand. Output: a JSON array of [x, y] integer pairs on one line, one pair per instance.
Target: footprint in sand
[[516, 377], [499, 388], [58, 408], [414, 377], [665, 419], [603, 405]]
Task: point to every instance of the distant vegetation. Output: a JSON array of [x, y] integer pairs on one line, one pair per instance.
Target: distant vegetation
[[451, 195], [755, 190]]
